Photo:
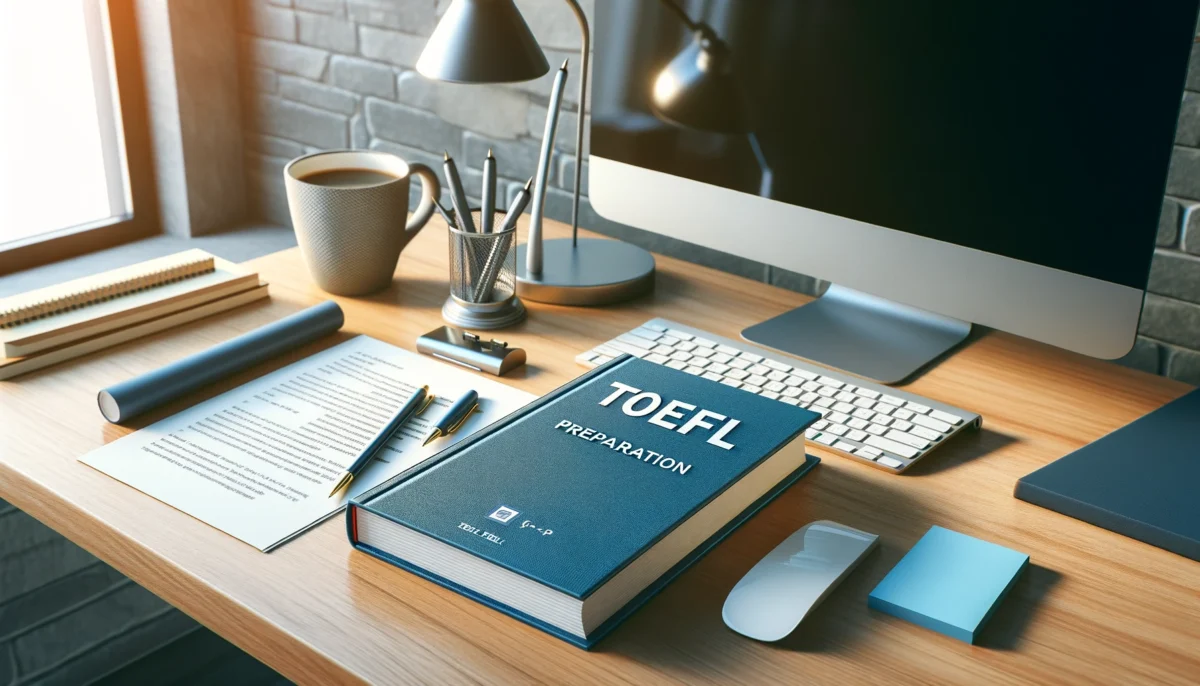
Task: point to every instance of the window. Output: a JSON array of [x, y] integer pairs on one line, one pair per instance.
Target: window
[[70, 107]]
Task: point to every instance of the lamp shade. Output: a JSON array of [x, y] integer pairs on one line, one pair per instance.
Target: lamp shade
[[698, 89], [482, 41]]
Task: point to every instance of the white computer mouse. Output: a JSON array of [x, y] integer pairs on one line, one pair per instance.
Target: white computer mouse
[[769, 602]]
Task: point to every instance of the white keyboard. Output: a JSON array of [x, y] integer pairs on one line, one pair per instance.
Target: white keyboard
[[861, 419]]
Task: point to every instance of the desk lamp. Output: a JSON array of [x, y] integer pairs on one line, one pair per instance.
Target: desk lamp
[[488, 41]]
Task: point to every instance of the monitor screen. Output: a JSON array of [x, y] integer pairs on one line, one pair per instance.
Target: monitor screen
[[1039, 130]]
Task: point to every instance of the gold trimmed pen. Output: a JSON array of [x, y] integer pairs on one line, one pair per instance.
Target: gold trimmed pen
[[455, 417], [415, 405]]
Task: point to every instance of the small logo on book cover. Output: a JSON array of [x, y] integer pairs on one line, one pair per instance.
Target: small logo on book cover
[[503, 514]]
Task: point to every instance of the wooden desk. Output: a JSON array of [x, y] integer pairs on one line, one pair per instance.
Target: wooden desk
[[1094, 607]]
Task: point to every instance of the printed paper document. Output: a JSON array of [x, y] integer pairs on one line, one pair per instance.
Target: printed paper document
[[258, 462]]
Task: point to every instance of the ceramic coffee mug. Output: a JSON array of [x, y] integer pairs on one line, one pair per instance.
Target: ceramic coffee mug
[[348, 210]]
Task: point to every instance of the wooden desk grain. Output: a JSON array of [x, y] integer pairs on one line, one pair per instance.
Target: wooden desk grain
[[1094, 607]]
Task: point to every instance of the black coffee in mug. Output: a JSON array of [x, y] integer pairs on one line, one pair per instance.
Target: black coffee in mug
[[348, 178]]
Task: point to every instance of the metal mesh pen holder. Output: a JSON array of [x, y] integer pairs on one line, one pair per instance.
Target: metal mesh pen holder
[[483, 278]]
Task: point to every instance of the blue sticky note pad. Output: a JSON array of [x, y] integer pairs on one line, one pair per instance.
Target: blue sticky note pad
[[949, 582]]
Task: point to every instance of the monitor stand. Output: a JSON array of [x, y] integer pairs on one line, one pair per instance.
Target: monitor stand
[[862, 334]]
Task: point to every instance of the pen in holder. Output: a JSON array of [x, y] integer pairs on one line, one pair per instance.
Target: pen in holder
[[483, 278]]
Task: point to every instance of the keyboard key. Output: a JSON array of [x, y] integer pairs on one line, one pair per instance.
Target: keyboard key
[[901, 425], [627, 348], [721, 357], [884, 408], [685, 346], [837, 417], [820, 424], [750, 357], [845, 396], [946, 417], [760, 369], [825, 402], [606, 349], [756, 379], [681, 356], [827, 439], [890, 462], [717, 367], [711, 377], [868, 451], [635, 340], [774, 386], [882, 419], [653, 326], [838, 429], [793, 380], [805, 374], [777, 375], [857, 435], [844, 407], [770, 394], [731, 382], [790, 392], [830, 381], [877, 430], [863, 413], [703, 352], [927, 434], [732, 352], [738, 374], [918, 407], [656, 358], [808, 398], [868, 393], [668, 340], [587, 356], [751, 388], [698, 361], [891, 446], [778, 366], [811, 433], [681, 335], [931, 423], [676, 364], [812, 386], [908, 439], [893, 400], [693, 370], [844, 447], [648, 334], [790, 401], [856, 423], [826, 391], [601, 359], [704, 342], [664, 350], [865, 403], [739, 363]]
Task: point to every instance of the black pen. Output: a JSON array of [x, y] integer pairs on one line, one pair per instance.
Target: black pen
[[487, 212], [415, 405], [454, 417], [445, 215], [462, 211]]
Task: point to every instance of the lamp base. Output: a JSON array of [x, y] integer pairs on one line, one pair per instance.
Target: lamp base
[[596, 272]]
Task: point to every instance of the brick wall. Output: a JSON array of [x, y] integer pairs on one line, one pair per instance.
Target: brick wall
[[66, 617], [338, 73]]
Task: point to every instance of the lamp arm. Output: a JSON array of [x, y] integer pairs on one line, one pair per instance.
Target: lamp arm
[[584, 53]]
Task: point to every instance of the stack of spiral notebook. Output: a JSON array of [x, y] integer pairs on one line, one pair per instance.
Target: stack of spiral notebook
[[62, 322]]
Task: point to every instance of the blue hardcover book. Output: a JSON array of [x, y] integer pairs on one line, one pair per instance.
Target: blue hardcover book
[[572, 512]]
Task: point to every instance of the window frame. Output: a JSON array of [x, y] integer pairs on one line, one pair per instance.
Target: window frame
[[141, 218]]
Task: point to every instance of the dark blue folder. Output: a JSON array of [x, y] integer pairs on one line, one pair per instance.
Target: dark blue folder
[[1142, 480]]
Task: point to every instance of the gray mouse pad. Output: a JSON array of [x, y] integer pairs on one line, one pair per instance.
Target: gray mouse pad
[[1142, 480]]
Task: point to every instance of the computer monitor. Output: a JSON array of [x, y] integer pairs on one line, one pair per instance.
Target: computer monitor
[[940, 162]]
